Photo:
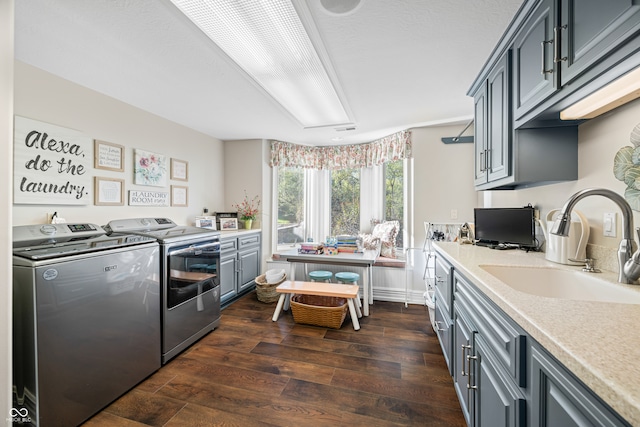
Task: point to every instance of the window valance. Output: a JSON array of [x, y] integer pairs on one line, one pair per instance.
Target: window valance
[[389, 148]]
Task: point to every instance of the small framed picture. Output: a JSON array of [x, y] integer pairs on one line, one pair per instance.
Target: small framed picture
[[206, 222], [228, 223], [179, 170], [108, 191], [179, 195], [107, 155]]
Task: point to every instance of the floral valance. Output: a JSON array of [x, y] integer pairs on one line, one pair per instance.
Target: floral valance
[[389, 148]]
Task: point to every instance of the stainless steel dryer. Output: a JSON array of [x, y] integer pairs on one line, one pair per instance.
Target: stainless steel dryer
[[189, 279], [86, 319]]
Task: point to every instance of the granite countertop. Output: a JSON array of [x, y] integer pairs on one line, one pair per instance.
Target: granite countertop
[[599, 342]]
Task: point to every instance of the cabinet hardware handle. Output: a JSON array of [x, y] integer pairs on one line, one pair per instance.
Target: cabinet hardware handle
[[482, 160], [464, 350], [439, 279], [544, 70], [487, 160], [469, 386], [438, 328], [556, 44]]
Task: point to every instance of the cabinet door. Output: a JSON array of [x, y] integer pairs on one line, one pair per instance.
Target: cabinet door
[[535, 77], [249, 267], [443, 330], [444, 284], [462, 347], [498, 401], [590, 29], [559, 400], [499, 119], [228, 276], [480, 135]]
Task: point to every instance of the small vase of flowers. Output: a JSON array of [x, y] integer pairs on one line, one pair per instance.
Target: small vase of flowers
[[248, 210]]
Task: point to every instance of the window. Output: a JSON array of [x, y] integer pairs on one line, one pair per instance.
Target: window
[[313, 203], [291, 184], [394, 195], [345, 202]]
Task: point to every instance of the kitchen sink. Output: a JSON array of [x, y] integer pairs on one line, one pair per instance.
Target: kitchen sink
[[565, 284]]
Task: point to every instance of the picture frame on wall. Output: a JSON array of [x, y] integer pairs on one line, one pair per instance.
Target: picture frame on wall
[[179, 195], [108, 191], [149, 168], [108, 156], [179, 170], [228, 224]]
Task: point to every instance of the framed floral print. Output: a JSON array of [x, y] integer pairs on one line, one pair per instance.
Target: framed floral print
[[150, 168]]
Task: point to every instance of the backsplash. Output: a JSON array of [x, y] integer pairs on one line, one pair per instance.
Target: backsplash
[[606, 258]]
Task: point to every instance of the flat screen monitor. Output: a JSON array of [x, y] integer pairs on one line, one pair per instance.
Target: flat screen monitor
[[505, 226]]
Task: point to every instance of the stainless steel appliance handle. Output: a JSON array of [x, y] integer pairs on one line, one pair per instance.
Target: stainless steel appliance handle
[[196, 247]]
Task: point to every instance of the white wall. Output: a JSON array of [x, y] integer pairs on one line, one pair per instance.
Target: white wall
[[6, 156], [47, 98], [443, 179], [598, 141]]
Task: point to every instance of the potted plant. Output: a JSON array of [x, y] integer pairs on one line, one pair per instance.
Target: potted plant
[[248, 210]]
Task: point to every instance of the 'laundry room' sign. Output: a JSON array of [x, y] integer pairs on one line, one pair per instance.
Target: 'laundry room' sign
[[51, 164]]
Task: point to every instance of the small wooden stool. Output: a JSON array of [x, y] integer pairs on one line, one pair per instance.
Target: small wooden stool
[[350, 292]]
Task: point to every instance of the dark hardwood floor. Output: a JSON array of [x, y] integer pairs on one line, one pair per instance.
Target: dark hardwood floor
[[255, 372]]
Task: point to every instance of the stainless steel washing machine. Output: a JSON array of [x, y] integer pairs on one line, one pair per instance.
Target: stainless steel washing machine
[[189, 279], [86, 319]]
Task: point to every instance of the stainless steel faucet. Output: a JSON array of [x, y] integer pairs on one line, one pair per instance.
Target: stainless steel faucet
[[628, 261]]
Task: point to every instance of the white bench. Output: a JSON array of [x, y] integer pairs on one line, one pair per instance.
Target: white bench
[[350, 292]]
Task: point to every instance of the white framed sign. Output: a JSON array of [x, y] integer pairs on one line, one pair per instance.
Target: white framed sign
[[148, 198], [51, 164]]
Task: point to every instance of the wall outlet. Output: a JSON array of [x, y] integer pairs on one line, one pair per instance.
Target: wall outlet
[[609, 224], [454, 213]]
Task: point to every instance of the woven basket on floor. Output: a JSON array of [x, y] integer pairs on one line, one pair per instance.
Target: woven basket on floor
[[319, 310], [266, 292]]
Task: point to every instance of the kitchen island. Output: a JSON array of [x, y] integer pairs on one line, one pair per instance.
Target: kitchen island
[[597, 341]]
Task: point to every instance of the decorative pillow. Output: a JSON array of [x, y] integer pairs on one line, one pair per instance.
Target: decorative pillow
[[370, 243], [387, 231]]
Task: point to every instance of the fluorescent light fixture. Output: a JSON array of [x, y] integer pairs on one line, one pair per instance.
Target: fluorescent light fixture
[[615, 94], [267, 39]]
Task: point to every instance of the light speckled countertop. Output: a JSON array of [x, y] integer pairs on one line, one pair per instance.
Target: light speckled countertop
[[599, 342], [237, 233]]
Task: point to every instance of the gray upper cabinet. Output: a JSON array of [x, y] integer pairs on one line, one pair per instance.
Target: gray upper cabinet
[[590, 29], [535, 78], [562, 40], [493, 124]]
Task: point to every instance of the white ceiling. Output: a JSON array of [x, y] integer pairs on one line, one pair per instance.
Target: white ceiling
[[401, 63]]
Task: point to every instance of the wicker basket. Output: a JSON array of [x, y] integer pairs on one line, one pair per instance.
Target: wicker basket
[[266, 292], [319, 310]]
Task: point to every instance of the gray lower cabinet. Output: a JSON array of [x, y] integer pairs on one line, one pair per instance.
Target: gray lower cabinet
[[489, 359], [501, 375], [240, 260], [561, 400], [443, 300]]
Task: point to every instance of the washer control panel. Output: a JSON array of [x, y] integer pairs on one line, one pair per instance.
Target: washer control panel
[[26, 235]]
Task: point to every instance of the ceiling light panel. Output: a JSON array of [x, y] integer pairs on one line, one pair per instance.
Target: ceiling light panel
[[267, 39]]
